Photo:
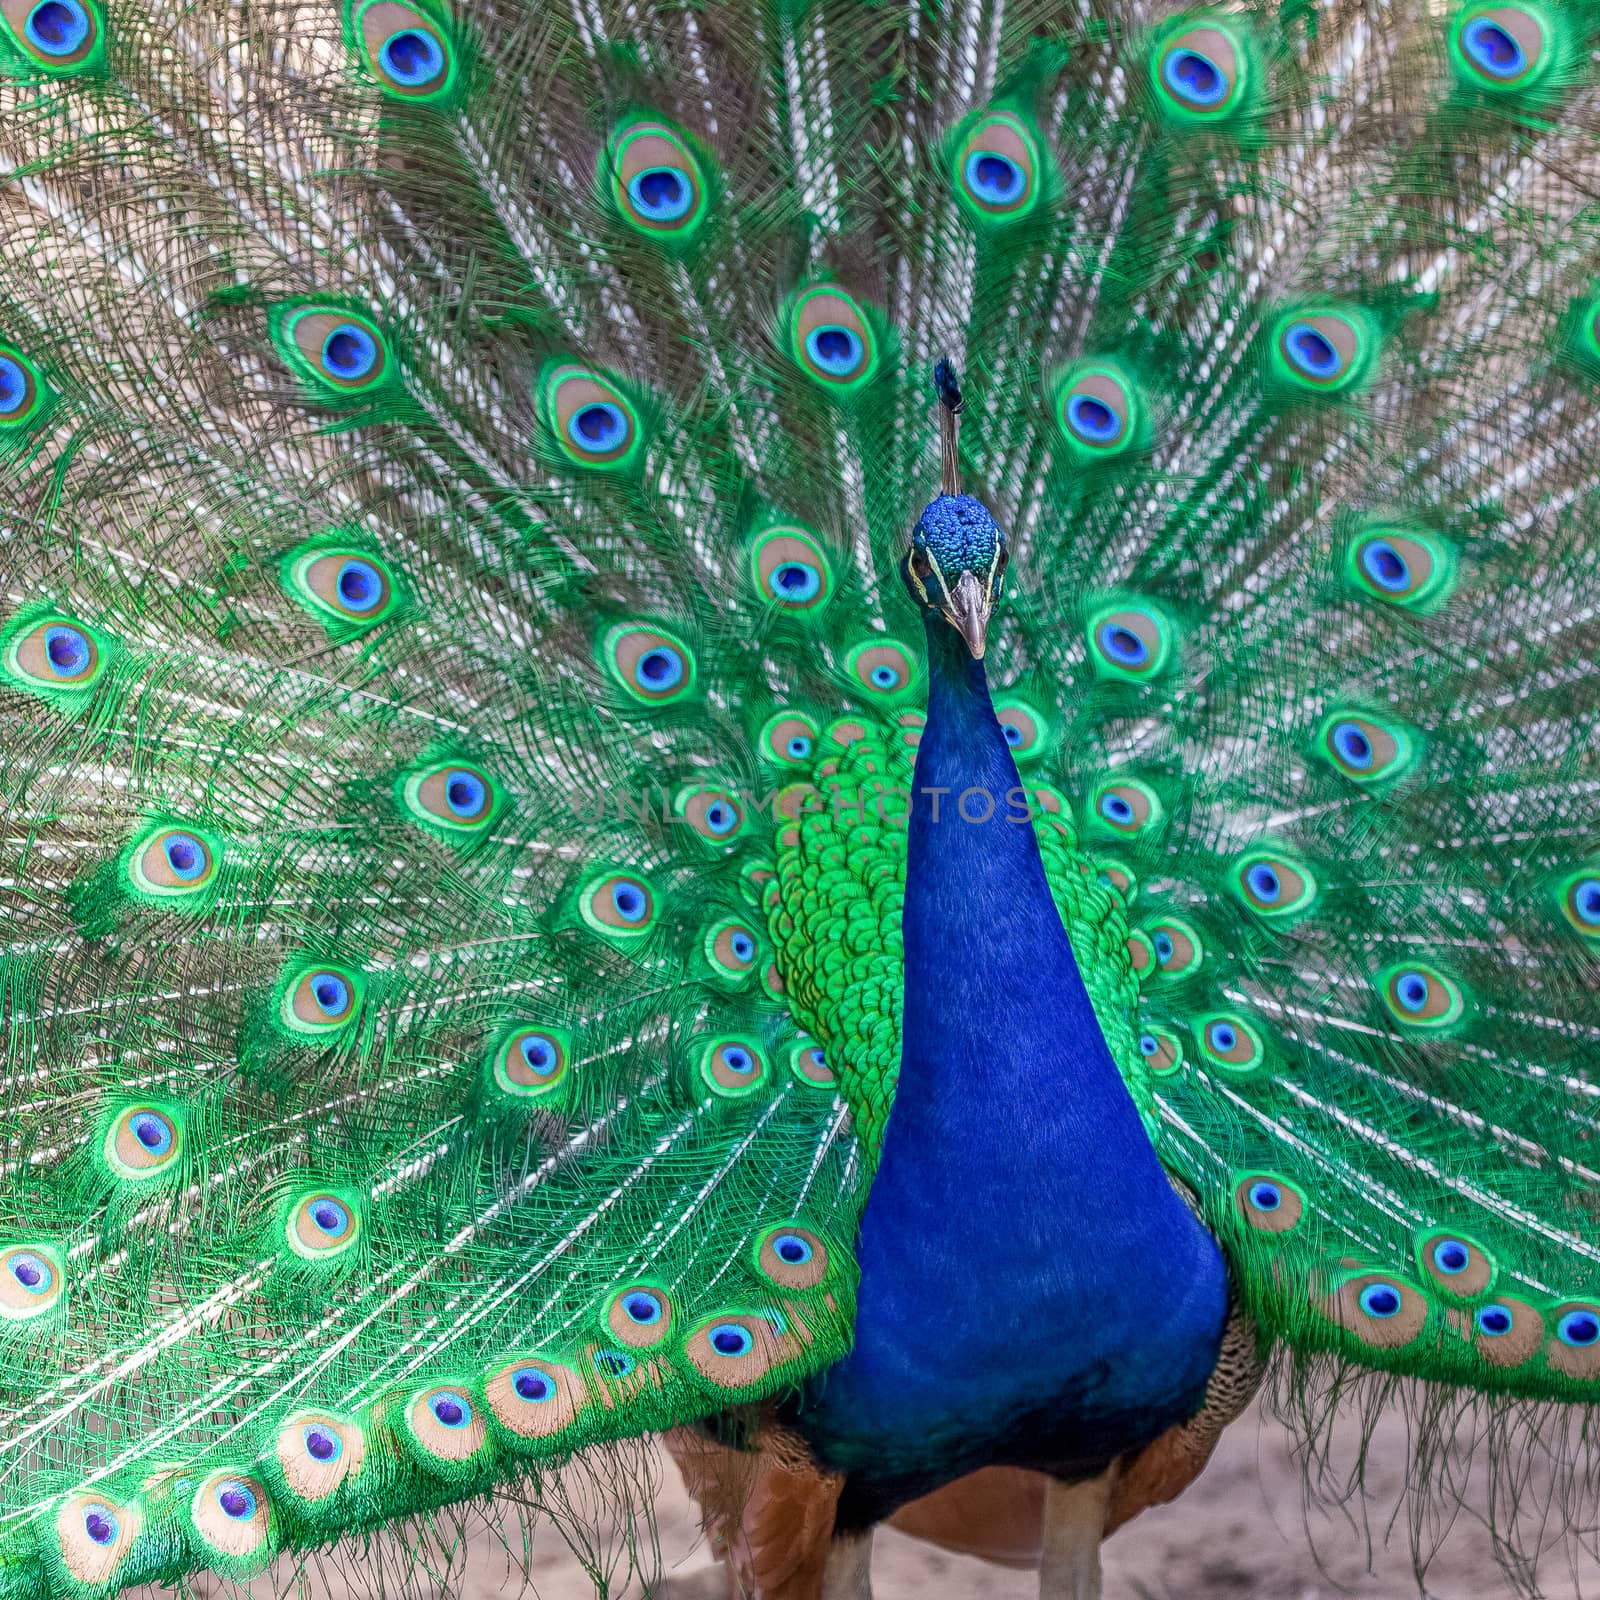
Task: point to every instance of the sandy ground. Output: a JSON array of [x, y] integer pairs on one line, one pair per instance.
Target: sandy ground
[[1239, 1532]]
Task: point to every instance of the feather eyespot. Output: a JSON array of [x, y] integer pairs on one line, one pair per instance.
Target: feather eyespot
[[656, 182], [1023, 728], [531, 1062], [58, 654], [58, 36], [1507, 1332], [789, 569], [831, 340], [1580, 902], [1375, 1309], [1127, 807], [792, 1257], [1268, 1203], [1575, 1349], [731, 949], [174, 863], [319, 1001], [640, 1316], [32, 1278], [619, 905], [1178, 946], [652, 665], [316, 1451], [534, 1397], [1421, 996], [1200, 72], [1099, 411], [1365, 749], [1128, 642], [997, 168], [717, 816], [1273, 886], [738, 1349], [352, 588], [592, 422], [443, 1426], [322, 1225], [94, 1535], [457, 798], [143, 1142], [1231, 1043], [233, 1515], [732, 1067], [791, 737], [1322, 351], [24, 395], [1161, 1051], [410, 54], [882, 668], [1403, 567], [808, 1064], [1456, 1265], [1499, 47], [338, 354]]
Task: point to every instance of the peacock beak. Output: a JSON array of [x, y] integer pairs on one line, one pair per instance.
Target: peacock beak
[[967, 610]]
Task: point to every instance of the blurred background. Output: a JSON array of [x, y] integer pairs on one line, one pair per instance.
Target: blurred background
[[1242, 1530]]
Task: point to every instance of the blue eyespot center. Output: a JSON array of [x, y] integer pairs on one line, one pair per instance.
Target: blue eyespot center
[[1579, 1329], [1264, 883], [349, 352], [837, 351], [1586, 901], [884, 677], [818, 1059], [359, 585], [1115, 808], [629, 901], [67, 651], [1149, 1045], [1223, 1037], [1411, 990], [790, 1247], [1493, 50], [152, 1131], [331, 993], [721, 817], [539, 1052], [465, 793], [599, 426], [31, 1271], [330, 1217], [993, 178], [1380, 1300], [450, 1409], [411, 57], [1093, 420], [1494, 1321], [645, 1309], [533, 1385], [1013, 734], [57, 27], [737, 1059], [742, 945], [796, 581], [100, 1523], [660, 668], [1312, 352], [1123, 645], [1385, 566], [732, 1340], [1163, 945], [1194, 77], [1450, 1256], [660, 193], [185, 855], [237, 1500], [1265, 1196], [13, 386], [1354, 747], [798, 748], [322, 1443]]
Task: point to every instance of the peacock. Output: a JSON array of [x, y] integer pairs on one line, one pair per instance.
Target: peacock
[[864, 733]]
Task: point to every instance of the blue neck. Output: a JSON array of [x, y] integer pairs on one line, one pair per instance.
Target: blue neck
[[1026, 1268]]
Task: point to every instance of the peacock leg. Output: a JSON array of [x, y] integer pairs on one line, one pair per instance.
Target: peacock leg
[[1074, 1524], [848, 1574]]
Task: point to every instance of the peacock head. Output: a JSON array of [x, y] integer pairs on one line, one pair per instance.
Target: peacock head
[[956, 566]]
